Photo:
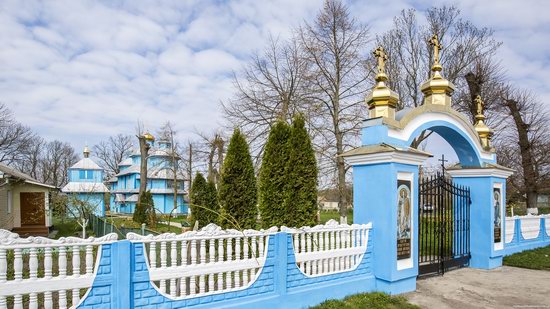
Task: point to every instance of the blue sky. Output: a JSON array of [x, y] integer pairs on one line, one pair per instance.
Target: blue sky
[[79, 71]]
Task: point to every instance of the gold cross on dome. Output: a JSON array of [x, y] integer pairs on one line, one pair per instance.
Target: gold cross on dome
[[434, 42], [381, 56]]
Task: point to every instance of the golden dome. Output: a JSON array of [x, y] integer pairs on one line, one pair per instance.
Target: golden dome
[[149, 137]]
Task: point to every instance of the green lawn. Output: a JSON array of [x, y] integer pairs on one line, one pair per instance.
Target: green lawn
[[368, 300], [68, 227], [532, 259], [333, 214]]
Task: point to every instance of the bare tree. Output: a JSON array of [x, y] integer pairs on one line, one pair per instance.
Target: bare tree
[[270, 87], [113, 151], [526, 140], [211, 150], [168, 133], [334, 45], [15, 138], [57, 158]]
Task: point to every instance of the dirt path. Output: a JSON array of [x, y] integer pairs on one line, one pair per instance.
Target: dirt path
[[505, 287]]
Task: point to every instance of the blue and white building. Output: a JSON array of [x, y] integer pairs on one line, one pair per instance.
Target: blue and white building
[[86, 182], [160, 182]]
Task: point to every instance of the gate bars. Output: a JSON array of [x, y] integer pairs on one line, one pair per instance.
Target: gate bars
[[444, 225]]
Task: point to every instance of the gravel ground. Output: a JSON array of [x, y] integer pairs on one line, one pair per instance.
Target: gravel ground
[[504, 287]]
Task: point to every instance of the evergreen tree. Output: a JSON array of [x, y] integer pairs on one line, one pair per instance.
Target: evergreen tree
[[300, 201], [204, 201], [145, 210], [272, 179], [237, 190]]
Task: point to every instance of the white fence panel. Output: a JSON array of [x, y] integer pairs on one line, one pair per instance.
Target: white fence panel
[[530, 226], [204, 262], [547, 224], [41, 272], [329, 248], [510, 229]]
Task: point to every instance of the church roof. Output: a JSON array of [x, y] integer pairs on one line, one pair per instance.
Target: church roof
[[86, 164], [84, 187], [126, 162]]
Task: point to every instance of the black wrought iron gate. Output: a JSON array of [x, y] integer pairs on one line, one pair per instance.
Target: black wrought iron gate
[[443, 225]]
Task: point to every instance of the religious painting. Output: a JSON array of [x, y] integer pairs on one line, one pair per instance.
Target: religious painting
[[497, 222], [404, 214]]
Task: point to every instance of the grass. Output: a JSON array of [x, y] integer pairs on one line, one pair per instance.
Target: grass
[[333, 214], [533, 259], [69, 227], [368, 300]]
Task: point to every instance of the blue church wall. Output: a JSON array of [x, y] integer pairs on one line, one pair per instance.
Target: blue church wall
[[79, 175], [123, 272], [519, 243]]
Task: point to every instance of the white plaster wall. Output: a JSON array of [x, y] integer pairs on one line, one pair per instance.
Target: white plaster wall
[[510, 229], [530, 227]]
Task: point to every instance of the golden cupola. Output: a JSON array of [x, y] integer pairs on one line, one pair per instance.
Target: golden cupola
[[437, 90], [484, 132], [382, 101]]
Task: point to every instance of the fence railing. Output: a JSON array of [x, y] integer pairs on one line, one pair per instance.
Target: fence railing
[[41, 272], [330, 248], [101, 226], [208, 261]]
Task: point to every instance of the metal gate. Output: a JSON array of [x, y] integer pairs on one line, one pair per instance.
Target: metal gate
[[443, 225]]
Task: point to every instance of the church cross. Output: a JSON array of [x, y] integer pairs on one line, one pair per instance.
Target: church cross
[[434, 42], [442, 160], [381, 56]]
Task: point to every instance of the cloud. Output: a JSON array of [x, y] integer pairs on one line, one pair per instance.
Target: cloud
[[83, 70]]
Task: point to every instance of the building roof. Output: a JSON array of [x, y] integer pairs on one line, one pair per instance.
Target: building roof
[[85, 187], [86, 164], [6, 172], [126, 162], [154, 172]]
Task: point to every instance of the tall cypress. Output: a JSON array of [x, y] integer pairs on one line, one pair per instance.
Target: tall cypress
[[237, 189], [300, 202], [272, 179], [204, 201]]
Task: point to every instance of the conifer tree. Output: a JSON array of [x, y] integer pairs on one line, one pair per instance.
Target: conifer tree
[[300, 201], [204, 201], [145, 210], [272, 178], [237, 190]]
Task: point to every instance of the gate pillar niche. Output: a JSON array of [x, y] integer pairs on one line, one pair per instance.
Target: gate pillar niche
[[487, 212], [385, 190]]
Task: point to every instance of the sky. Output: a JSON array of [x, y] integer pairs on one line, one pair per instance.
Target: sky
[[80, 71]]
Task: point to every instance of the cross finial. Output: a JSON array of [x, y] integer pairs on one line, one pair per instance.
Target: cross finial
[[479, 105], [380, 54], [442, 160], [436, 45]]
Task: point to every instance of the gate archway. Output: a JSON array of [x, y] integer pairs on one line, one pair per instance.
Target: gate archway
[[386, 182]]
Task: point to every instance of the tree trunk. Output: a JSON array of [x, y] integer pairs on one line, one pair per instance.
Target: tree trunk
[[474, 86], [143, 150], [527, 162], [340, 164]]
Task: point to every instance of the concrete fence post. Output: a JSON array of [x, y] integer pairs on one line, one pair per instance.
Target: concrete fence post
[[122, 259], [281, 263]]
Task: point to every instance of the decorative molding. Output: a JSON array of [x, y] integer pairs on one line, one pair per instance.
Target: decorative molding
[[510, 229], [10, 240], [210, 231], [330, 225], [386, 157], [409, 124], [530, 226], [479, 172]]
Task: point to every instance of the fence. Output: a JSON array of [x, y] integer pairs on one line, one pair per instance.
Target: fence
[[46, 273], [206, 268], [101, 227], [526, 232]]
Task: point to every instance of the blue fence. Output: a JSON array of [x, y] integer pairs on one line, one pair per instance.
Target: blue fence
[[526, 232], [123, 281]]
